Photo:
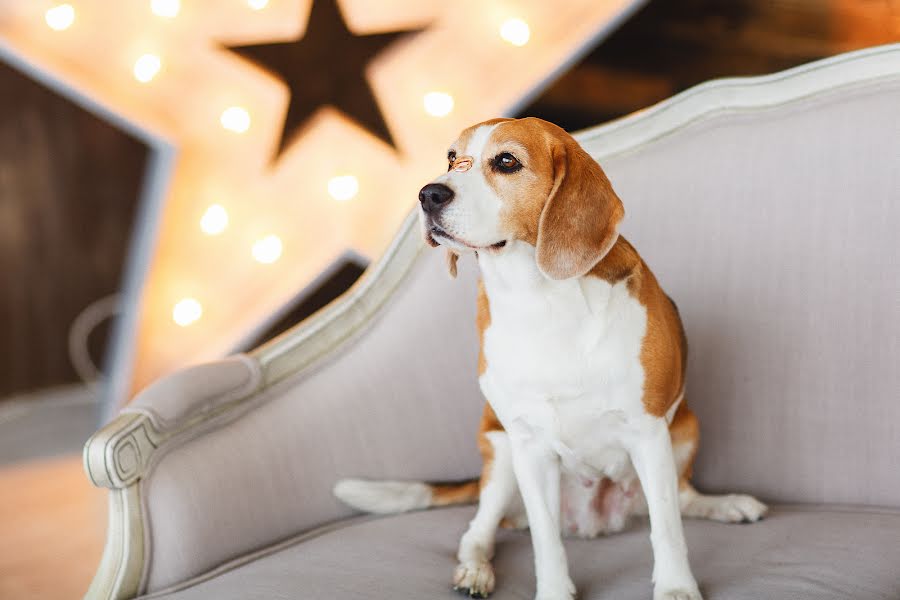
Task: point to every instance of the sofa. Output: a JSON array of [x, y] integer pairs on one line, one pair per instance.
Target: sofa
[[768, 209]]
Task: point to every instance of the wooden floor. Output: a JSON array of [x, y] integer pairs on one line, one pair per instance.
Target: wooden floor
[[52, 524]]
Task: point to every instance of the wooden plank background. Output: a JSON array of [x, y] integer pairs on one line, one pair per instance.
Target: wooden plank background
[[68, 191], [671, 45]]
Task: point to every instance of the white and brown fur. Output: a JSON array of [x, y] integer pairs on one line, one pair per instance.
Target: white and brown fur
[[582, 362]]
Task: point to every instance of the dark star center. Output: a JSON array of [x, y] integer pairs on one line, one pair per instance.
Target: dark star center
[[325, 67]]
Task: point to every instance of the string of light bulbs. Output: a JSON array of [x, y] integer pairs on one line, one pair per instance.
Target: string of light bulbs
[[236, 119]]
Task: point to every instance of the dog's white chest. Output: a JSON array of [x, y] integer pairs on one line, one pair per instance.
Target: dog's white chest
[[563, 361]]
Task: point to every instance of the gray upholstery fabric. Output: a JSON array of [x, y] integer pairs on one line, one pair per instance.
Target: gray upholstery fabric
[[775, 233], [795, 554], [194, 390]]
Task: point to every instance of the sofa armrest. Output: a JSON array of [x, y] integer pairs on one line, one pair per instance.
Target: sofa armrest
[[139, 453], [120, 454], [117, 455]]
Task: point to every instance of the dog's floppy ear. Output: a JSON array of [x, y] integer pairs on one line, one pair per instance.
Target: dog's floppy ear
[[452, 257], [579, 223]]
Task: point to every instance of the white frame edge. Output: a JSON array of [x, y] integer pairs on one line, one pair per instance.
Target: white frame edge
[[739, 94]]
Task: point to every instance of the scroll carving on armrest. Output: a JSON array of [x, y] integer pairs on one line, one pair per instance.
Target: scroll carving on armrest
[[118, 454], [115, 456]]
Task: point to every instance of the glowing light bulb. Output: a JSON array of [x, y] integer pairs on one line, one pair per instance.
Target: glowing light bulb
[[186, 311], [236, 119], [214, 220], [60, 17], [343, 187], [257, 4], [165, 8], [268, 249], [515, 31], [438, 104], [146, 67]]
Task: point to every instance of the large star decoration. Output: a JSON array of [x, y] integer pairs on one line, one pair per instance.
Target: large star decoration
[[159, 66], [326, 66]]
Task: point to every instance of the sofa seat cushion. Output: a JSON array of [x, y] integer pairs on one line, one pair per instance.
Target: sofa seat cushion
[[797, 552]]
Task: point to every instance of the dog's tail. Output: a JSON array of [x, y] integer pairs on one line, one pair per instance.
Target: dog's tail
[[388, 497]]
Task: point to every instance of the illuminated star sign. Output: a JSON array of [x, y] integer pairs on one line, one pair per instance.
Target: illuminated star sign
[[228, 237], [326, 66]]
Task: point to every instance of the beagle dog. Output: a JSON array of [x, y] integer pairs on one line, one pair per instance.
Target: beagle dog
[[582, 363]]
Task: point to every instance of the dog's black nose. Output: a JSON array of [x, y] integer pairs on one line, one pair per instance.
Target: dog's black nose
[[434, 195]]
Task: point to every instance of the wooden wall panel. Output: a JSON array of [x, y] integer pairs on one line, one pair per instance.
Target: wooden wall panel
[[68, 190], [671, 45]]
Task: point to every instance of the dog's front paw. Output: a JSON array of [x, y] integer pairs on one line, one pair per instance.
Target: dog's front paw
[[474, 579], [689, 593]]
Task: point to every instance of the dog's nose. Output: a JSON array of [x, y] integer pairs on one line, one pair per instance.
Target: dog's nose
[[434, 195]]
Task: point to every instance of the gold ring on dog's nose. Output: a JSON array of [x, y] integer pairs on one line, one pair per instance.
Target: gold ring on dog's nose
[[462, 164]]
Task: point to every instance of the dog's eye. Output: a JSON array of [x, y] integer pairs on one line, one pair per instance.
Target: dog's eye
[[506, 163], [451, 156]]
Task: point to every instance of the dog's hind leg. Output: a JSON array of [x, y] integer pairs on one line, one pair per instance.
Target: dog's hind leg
[[474, 574], [727, 508]]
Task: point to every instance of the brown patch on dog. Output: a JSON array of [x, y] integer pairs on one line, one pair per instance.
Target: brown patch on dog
[[489, 422], [452, 259], [685, 431], [579, 223], [621, 263], [482, 322], [664, 349], [454, 493]]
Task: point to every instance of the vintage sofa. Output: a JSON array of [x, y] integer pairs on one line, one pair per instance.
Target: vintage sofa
[[768, 208]]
